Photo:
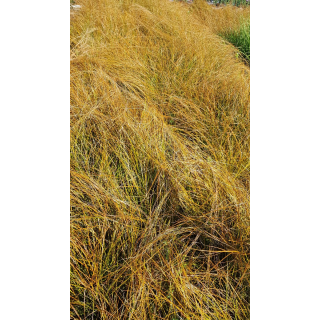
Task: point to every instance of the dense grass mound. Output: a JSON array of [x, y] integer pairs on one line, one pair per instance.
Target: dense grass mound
[[159, 163]]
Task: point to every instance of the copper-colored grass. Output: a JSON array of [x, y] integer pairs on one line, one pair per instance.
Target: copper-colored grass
[[159, 163], [222, 19]]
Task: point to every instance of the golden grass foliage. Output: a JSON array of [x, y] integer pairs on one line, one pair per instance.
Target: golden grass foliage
[[159, 163]]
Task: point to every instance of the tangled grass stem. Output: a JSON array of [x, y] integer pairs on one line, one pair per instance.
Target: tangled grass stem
[[159, 162]]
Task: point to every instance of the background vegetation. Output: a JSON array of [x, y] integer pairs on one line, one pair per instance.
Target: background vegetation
[[233, 2], [240, 38], [159, 162]]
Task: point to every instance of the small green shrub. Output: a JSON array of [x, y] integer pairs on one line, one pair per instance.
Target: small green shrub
[[240, 39]]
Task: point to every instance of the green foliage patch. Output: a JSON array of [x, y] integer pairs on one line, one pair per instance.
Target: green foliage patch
[[240, 39]]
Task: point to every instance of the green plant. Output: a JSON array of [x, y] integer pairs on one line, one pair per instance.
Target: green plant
[[240, 38]]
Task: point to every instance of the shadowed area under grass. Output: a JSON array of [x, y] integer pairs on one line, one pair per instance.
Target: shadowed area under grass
[[159, 162]]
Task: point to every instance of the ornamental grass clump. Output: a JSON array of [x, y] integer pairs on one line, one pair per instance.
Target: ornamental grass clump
[[159, 165]]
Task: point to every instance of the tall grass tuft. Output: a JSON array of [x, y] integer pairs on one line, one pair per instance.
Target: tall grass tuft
[[240, 38], [159, 163]]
